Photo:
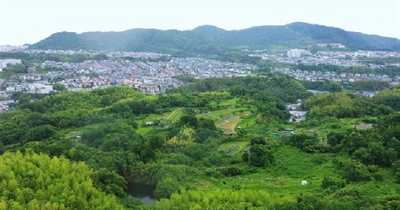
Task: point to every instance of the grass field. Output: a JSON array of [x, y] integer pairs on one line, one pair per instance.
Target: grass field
[[175, 115], [232, 102], [285, 176], [291, 167], [172, 116], [73, 133], [248, 121]]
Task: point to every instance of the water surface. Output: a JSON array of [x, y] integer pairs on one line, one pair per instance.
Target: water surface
[[143, 192]]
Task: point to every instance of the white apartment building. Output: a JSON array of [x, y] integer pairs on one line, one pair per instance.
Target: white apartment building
[[296, 53]]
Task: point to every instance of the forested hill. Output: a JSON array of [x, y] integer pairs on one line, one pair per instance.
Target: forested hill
[[212, 40], [219, 143]]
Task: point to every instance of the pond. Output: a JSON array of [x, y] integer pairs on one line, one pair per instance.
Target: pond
[[143, 192]]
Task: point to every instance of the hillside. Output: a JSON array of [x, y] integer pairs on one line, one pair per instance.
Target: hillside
[[217, 143], [212, 40]]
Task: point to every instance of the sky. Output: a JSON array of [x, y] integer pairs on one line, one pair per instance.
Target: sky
[[29, 21]]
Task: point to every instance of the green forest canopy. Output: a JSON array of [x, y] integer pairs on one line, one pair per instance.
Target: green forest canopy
[[189, 159], [32, 181]]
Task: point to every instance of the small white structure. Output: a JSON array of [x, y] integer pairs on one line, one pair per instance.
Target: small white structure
[[304, 182]]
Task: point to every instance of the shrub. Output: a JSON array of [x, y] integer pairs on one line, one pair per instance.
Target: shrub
[[333, 183]]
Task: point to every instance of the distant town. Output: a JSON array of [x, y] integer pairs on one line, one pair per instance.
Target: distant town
[[152, 77], [345, 78], [147, 77], [337, 58]]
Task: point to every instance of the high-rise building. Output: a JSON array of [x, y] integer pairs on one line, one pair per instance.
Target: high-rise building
[[296, 53]]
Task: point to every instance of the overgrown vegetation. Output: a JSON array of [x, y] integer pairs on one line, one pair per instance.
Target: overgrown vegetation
[[216, 143]]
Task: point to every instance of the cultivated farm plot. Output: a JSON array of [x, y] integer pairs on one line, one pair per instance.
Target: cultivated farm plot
[[166, 117], [233, 148], [227, 119], [228, 123], [231, 102]]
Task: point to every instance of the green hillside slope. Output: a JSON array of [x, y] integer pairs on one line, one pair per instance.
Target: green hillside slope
[[222, 143], [212, 40]]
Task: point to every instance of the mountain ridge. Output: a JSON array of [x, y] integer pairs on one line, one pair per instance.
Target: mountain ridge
[[209, 39]]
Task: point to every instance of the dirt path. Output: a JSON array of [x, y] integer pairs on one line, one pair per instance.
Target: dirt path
[[174, 112]]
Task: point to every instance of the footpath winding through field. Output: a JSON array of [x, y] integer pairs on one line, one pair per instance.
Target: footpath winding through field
[[174, 112]]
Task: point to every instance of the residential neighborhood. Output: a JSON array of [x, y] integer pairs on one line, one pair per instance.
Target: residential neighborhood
[[318, 76], [147, 77], [152, 77], [338, 58]]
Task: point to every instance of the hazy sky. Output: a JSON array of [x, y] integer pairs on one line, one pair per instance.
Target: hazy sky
[[30, 21]]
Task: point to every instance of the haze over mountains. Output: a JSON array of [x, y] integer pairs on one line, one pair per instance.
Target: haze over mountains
[[209, 39]]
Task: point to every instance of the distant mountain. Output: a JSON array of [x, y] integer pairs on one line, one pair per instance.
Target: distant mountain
[[213, 40]]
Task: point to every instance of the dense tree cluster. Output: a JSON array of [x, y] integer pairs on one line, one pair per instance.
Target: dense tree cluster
[[368, 85], [225, 199], [389, 97], [113, 147], [376, 146], [342, 105], [283, 87], [327, 85], [248, 199], [32, 181]]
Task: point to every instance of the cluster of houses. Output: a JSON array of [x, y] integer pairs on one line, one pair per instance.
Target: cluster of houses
[[318, 76], [360, 53], [34, 88], [12, 48], [157, 77], [4, 105], [148, 77], [143, 55], [333, 45], [338, 58]]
